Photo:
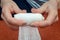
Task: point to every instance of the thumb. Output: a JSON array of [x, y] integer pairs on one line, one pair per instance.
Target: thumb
[[42, 9]]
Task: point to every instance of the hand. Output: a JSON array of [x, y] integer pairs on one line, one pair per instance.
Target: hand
[[8, 8], [51, 8]]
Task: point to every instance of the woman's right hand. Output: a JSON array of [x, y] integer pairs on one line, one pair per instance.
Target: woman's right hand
[[8, 8]]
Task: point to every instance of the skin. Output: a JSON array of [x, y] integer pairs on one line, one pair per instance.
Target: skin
[[51, 7], [9, 7]]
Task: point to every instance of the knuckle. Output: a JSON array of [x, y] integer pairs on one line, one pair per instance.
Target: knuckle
[[49, 22]]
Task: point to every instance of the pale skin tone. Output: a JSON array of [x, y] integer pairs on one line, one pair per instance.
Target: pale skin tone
[[9, 7], [51, 7]]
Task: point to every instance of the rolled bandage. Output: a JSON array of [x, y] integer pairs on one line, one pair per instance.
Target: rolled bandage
[[28, 32], [29, 17]]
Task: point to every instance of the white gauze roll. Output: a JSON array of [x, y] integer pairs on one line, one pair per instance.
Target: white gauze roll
[[28, 32]]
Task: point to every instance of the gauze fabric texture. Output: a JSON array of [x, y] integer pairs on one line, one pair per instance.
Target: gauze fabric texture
[[28, 32]]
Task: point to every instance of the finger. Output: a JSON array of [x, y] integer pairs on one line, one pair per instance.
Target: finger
[[17, 9], [3, 18], [41, 23], [10, 19], [11, 26], [51, 17], [53, 13], [42, 9], [37, 24], [56, 19]]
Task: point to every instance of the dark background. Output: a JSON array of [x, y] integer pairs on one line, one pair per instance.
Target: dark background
[[0, 13]]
